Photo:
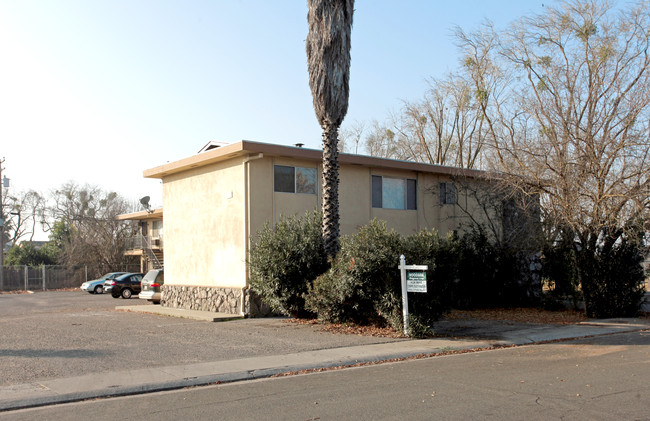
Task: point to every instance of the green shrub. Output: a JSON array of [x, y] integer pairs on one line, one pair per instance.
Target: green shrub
[[488, 274], [362, 275], [27, 254], [477, 267], [285, 260], [560, 270], [441, 256], [612, 277], [418, 326]]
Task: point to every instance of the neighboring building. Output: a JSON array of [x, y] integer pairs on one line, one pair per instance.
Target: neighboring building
[[217, 200], [148, 243]]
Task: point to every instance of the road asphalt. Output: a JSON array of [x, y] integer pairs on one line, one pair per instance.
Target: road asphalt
[[461, 335]]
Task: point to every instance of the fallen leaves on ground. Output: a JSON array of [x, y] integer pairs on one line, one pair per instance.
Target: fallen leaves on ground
[[518, 315], [350, 329]]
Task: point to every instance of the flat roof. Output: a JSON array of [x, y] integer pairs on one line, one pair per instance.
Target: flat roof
[[142, 215], [246, 147]]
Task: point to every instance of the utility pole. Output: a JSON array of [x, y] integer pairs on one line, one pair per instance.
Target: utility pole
[[2, 232]]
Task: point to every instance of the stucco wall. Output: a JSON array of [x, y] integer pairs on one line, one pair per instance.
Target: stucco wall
[[355, 200], [206, 230], [204, 226], [266, 205]]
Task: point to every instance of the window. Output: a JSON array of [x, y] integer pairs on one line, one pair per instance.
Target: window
[[446, 193], [394, 193], [157, 229], [294, 179]]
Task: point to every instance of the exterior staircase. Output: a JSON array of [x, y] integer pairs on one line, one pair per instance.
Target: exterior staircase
[[155, 258]]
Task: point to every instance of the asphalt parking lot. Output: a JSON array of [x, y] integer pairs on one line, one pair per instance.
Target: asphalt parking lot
[[56, 334]]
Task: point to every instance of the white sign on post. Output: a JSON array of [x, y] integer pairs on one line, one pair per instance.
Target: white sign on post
[[418, 278]]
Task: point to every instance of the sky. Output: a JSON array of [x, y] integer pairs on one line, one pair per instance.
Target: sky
[[97, 91]]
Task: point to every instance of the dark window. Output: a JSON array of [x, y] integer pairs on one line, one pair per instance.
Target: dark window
[[376, 192], [284, 179], [411, 194], [394, 193], [447, 193], [294, 179]]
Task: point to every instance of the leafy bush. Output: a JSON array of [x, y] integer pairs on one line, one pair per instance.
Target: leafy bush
[[612, 277], [559, 268], [363, 274], [441, 256], [488, 274], [26, 254], [363, 286], [418, 326], [285, 260], [601, 266]]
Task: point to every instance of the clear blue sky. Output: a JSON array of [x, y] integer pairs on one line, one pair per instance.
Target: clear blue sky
[[96, 91]]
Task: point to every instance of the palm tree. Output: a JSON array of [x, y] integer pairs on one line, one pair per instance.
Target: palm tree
[[328, 62]]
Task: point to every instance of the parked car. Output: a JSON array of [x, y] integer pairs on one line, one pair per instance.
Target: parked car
[[151, 285], [96, 286], [124, 286]]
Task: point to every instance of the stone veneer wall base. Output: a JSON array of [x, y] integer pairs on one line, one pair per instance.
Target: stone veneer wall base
[[213, 299]]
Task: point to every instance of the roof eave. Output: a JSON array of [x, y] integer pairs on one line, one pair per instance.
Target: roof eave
[[245, 147]]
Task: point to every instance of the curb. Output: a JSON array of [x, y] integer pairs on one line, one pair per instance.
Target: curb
[[140, 381]]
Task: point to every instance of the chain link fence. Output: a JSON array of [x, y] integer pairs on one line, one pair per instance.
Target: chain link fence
[[43, 278]]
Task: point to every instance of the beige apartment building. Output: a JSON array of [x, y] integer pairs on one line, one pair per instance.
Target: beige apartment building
[[148, 243], [216, 201]]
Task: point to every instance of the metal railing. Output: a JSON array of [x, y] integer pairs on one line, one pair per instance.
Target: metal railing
[[140, 242], [43, 278], [147, 244]]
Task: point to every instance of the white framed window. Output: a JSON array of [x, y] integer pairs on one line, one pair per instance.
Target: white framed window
[[394, 193], [288, 179]]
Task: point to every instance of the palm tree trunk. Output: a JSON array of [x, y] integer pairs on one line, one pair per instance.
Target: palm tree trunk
[[330, 206], [328, 63]]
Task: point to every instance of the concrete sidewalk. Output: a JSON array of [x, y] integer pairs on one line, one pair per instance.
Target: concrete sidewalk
[[173, 377]]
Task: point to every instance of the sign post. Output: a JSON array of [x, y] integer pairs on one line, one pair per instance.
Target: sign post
[[415, 281]]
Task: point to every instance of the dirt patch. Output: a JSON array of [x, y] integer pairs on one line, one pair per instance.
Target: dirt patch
[[517, 315], [350, 329], [22, 291], [520, 315]]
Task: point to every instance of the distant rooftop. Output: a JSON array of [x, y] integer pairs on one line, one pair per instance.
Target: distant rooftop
[[213, 144]]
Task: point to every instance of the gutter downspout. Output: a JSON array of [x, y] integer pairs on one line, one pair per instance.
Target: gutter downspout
[[246, 170]]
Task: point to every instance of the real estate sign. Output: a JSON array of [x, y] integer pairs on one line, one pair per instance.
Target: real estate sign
[[416, 281]]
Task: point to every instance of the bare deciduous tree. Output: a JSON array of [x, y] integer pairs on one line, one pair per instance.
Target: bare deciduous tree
[[446, 127], [566, 99], [576, 119], [94, 236], [23, 213]]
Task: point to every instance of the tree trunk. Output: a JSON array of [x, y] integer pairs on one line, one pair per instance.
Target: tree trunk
[[330, 205]]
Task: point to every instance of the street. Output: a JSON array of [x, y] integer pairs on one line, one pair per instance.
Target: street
[[598, 378]]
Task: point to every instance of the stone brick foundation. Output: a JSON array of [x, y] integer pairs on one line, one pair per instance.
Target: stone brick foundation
[[213, 299]]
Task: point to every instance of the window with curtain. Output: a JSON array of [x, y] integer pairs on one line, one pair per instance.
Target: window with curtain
[[394, 193]]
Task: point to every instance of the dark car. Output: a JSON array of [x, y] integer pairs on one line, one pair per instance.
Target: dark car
[[151, 284], [124, 286]]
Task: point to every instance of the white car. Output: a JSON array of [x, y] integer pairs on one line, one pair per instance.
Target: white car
[[151, 284], [96, 286]]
